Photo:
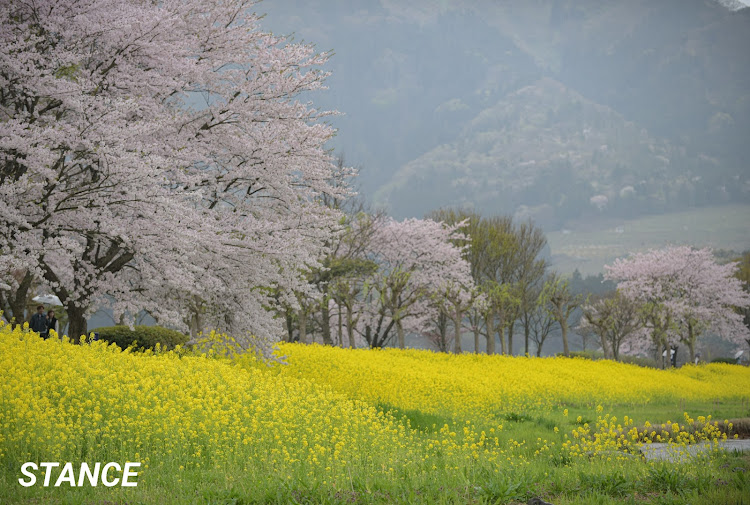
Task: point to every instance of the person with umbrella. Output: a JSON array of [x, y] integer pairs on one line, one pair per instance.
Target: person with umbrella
[[38, 322]]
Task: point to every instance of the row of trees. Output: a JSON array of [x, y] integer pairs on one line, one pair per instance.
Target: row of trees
[[457, 272], [157, 157], [166, 164], [437, 277]]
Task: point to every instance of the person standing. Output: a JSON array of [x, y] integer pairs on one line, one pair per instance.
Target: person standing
[[51, 322], [39, 322]]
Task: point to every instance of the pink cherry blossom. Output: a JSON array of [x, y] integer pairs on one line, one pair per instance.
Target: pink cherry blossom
[[156, 155], [685, 293]]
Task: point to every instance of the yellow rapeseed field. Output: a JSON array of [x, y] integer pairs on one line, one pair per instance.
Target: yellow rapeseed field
[[471, 384], [329, 417], [93, 402]]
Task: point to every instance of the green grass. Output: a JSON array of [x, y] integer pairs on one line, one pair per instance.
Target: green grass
[[725, 479], [416, 419], [592, 244]]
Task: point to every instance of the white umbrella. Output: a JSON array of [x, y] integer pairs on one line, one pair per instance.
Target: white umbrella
[[48, 299]]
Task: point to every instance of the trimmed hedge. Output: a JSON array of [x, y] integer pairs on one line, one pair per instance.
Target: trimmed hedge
[[624, 358], [141, 337], [728, 361]]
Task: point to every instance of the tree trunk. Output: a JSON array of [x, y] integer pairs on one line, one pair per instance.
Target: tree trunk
[[510, 338], [326, 322], [289, 326], [605, 346], [340, 339], [476, 340], [501, 332], [401, 336], [526, 329], [691, 343], [457, 324], [491, 334], [17, 301], [616, 352], [196, 325], [302, 326], [77, 322], [564, 328], [444, 333], [350, 327]]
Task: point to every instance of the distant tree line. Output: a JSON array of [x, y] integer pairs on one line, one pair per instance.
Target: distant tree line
[[459, 274]]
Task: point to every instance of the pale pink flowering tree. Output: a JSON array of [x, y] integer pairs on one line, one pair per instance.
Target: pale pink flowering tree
[[685, 294], [417, 259], [156, 154]]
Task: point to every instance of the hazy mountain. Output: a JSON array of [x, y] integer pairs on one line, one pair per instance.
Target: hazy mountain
[[509, 104], [546, 152]]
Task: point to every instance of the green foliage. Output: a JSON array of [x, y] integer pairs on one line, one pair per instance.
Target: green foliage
[[504, 488], [516, 418], [142, 337], [592, 355], [640, 361], [611, 484], [416, 419], [664, 478], [68, 72], [728, 361]]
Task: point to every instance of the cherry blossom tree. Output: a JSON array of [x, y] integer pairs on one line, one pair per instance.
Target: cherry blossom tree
[[155, 155], [416, 258], [685, 294]]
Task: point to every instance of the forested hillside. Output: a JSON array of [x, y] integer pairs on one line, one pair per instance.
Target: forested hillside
[[466, 94]]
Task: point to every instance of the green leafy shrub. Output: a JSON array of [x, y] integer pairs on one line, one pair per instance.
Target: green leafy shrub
[[593, 355], [633, 360], [728, 361], [640, 361], [142, 337]]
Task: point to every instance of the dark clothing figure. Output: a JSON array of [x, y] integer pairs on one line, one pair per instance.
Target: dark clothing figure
[[39, 324], [51, 323]]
